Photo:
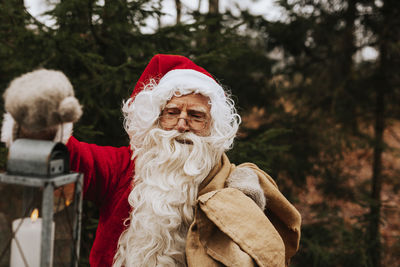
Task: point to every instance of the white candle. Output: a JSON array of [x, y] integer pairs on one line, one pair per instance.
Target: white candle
[[29, 236]]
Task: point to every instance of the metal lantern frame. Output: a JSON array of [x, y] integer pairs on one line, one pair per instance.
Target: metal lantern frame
[[45, 164]]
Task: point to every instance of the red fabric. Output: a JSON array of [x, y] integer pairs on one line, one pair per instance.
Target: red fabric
[[108, 181], [160, 64]]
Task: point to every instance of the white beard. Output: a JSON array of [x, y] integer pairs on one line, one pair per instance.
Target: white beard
[[167, 177]]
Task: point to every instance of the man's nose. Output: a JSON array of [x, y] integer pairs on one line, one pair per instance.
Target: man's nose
[[182, 124]]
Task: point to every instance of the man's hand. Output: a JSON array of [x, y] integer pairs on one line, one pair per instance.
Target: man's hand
[[246, 180]]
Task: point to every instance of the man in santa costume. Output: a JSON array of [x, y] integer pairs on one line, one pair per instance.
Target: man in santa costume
[[172, 198]]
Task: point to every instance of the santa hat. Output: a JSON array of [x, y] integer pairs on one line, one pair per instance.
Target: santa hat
[[174, 71]]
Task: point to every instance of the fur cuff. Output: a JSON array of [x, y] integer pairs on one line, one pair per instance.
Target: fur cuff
[[64, 132], [246, 180], [9, 131]]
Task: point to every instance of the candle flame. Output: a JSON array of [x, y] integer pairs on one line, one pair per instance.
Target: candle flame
[[34, 215], [67, 202]]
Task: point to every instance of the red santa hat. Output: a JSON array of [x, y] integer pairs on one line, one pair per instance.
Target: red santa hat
[[174, 71]]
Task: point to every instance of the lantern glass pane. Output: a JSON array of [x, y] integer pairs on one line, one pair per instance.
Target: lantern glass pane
[[18, 202]]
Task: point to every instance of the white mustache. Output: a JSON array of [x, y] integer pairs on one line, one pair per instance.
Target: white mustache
[[185, 138]]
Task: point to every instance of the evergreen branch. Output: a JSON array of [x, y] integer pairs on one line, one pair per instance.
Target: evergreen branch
[[37, 22]]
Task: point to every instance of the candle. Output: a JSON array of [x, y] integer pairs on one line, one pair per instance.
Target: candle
[[29, 236]]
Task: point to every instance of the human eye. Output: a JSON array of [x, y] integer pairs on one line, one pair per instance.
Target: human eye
[[171, 112], [198, 116]]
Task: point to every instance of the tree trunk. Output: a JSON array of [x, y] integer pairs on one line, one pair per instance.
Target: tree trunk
[[382, 88], [375, 206], [213, 6], [115, 18], [348, 41], [213, 26], [178, 5], [159, 16], [199, 6]]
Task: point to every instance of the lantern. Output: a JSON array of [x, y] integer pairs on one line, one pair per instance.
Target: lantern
[[39, 188]]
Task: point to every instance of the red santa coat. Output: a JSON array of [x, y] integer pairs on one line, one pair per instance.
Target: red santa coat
[[108, 181], [109, 173]]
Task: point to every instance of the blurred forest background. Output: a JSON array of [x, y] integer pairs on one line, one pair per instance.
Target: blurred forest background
[[322, 119]]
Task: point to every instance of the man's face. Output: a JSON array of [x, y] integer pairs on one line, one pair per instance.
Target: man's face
[[188, 113]]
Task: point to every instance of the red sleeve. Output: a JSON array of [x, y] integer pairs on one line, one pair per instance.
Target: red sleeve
[[104, 168]]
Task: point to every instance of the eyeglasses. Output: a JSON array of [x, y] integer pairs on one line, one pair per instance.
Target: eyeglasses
[[194, 121]]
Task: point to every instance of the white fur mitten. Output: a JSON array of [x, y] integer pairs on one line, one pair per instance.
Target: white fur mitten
[[39, 101], [246, 180]]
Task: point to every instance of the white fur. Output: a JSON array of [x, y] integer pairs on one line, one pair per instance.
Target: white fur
[[68, 109], [166, 181], [41, 99], [64, 132], [7, 129]]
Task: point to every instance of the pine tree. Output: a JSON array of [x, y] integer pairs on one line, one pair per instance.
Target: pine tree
[[341, 98]]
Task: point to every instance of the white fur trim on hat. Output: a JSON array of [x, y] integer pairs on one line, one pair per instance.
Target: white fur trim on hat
[[190, 79], [8, 128]]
